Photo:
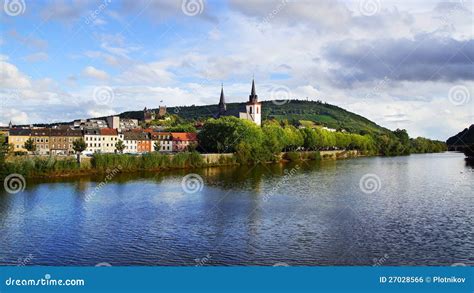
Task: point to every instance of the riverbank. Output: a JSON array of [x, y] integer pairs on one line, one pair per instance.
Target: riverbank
[[37, 167]]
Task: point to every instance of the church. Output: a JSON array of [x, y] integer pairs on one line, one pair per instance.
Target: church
[[253, 108]]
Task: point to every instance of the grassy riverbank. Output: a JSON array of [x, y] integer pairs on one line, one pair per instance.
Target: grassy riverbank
[[102, 163]]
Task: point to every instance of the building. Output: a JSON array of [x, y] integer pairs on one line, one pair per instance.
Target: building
[[116, 122], [143, 143], [92, 139], [40, 137], [61, 141], [183, 141], [148, 115], [109, 138], [253, 108], [130, 141], [163, 140], [101, 140], [17, 137]]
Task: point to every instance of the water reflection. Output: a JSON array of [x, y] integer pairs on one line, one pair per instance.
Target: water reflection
[[306, 213]]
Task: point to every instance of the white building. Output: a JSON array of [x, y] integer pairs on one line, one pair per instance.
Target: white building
[[253, 108], [101, 140], [164, 140]]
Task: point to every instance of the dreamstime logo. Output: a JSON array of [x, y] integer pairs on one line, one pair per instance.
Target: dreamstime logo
[[94, 14], [280, 95], [192, 183], [192, 7], [103, 264], [459, 95], [14, 7], [14, 183], [369, 7], [370, 183], [104, 95], [458, 264]]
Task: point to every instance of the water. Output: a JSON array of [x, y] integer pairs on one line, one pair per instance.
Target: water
[[416, 210]]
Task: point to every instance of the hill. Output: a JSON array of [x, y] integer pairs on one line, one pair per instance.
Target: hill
[[463, 138], [316, 111]]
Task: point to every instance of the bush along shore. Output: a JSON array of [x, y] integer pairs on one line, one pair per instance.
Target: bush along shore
[[102, 163]]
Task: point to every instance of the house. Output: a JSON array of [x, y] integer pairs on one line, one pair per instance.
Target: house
[[136, 142], [17, 137], [144, 143], [183, 141], [163, 140], [109, 139], [101, 140], [61, 141], [92, 139], [41, 138]]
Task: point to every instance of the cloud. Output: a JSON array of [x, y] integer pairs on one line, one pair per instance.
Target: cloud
[[37, 57], [29, 41], [11, 77], [94, 73], [425, 58]]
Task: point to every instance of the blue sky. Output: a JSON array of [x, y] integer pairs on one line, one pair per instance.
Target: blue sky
[[406, 64]]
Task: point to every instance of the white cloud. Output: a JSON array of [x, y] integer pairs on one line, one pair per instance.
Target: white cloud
[[94, 73]]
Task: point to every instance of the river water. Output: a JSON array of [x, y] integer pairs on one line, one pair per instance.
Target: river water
[[411, 210]]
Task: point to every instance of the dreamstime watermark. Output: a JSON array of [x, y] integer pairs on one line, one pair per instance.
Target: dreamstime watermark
[[380, 261], [14, 183], [459, 95], [14, 7], [110, 174], [21, 262], [278, 8], [103, 264], [192, 183], [379, 87], [280, 95], [369, 7], [370, 183], [94, 14], [192, 7], [103, 95], [202, 261], [288, 175]]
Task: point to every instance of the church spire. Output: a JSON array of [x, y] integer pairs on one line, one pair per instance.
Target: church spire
[[253, 96], [222, 105]]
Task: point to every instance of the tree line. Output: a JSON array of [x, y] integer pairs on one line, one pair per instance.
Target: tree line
[[252, 143]]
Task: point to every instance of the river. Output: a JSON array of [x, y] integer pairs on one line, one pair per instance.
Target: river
[[409, 210]]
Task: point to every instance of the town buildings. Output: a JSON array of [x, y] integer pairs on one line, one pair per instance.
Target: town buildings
[[183, 141], [253, 108], [61, 141]]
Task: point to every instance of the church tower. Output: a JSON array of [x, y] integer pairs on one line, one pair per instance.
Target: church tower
[[253, 108], [222, 106]]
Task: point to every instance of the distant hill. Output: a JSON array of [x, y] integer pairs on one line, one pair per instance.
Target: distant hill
[[463, 138], [316, 111]]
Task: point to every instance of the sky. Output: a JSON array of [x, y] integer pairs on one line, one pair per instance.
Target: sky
[[401, 64]]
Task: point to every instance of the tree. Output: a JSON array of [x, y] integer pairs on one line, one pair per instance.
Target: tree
[[157, 146], [79, 145], [119, 146], [30, 145]]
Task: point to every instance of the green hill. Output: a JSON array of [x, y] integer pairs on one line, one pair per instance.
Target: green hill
[[463, 138], [316, 111]]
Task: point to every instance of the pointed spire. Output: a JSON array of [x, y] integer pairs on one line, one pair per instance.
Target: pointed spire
[[253, 96], [222, 105]]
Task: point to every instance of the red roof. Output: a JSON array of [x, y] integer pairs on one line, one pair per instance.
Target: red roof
[[184, 136], [108, 131]]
